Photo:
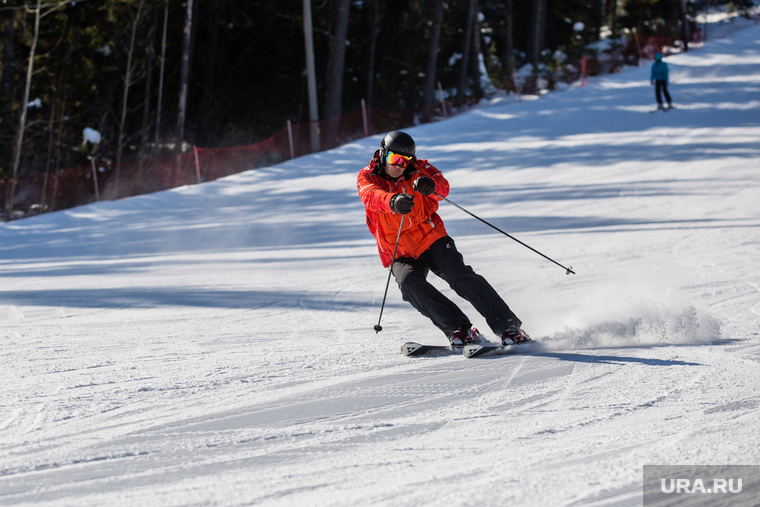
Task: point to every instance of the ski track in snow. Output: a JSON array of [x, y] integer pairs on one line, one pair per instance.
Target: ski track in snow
[[213, 345]]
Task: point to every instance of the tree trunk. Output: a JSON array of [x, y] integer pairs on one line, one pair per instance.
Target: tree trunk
[[22, 119], [6, 85], [207, 106], [374, 26], [685, 28], [58, 144], [538, 25], [598, 9], [336, 61], [150, 62], [162, 67], [184, 76], [125, 100], [707, 12], [465, 64], [150, 59], [509, 46], [476, 54], [611, 13], [57, 114], [311, 77], [432, 60], [51, 144]]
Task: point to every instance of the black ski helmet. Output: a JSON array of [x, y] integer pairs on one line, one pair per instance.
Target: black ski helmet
[[397, 142]]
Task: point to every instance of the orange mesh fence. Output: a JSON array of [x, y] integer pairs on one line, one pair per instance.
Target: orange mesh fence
[[75, 186], [646, 46]]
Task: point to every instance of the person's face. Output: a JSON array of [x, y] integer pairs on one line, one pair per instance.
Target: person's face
[[396, 164]]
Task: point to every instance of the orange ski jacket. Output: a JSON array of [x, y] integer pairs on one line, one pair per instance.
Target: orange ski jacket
[[422, 226]]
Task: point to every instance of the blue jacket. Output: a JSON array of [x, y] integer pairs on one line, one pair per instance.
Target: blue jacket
[[659, 72]]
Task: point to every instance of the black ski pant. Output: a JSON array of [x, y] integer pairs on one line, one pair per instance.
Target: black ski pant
[[443, 259], [661, 87]]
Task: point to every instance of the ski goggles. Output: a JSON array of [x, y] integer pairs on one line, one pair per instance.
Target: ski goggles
[[398, 159]]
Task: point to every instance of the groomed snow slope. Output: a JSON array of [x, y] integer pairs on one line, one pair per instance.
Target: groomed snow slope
[[213, 345]]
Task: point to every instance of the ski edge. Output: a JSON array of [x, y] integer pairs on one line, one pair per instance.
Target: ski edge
[[414, 349], [479, 350], [475, 350]]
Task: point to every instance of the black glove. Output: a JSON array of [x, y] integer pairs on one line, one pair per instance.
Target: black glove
[[424, 185], [402, 203]]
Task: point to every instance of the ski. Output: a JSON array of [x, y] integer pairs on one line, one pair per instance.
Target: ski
[[476, 350], [413, 349]]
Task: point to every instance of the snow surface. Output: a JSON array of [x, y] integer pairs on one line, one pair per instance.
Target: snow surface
[[213, 345]]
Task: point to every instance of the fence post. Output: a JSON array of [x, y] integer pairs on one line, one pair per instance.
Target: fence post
[[443, 102], [95, 178], [290, 141], [638, 45], [516, 86], [364, 118], [197, 164], [584, 68]]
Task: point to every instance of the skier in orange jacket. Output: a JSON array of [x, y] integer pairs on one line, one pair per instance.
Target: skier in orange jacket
[[397, 186]]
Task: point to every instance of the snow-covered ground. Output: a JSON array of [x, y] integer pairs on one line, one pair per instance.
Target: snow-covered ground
[[213, 345]]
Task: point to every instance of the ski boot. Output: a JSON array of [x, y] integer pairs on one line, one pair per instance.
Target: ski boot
[[514, 335], [465, 336]]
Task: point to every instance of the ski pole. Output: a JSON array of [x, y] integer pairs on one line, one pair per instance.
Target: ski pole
[[568, 269], [378, 327]]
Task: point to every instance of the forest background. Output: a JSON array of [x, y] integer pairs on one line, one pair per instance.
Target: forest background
[[130, 80]]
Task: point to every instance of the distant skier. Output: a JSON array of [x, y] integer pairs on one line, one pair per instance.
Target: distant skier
[[659, 79], [395, 186]]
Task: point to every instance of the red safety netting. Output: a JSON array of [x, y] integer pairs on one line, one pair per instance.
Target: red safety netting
[[66, 188], [646, 46], [75, 186]]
